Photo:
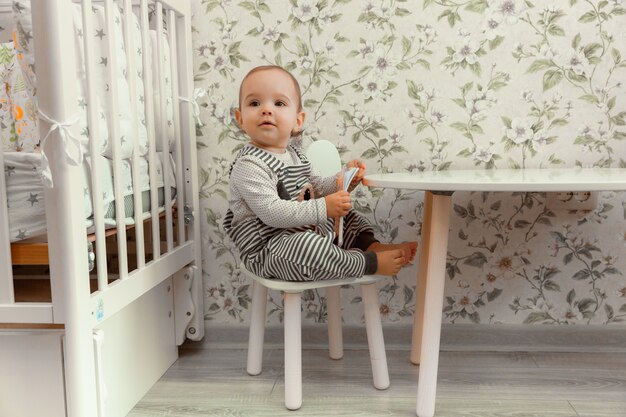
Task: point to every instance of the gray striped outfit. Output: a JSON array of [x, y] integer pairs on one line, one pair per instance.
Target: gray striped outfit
[[283, 235]]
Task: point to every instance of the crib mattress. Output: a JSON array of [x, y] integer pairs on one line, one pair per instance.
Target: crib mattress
[[25, 196]]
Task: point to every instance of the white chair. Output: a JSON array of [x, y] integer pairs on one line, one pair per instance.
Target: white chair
[[324, 156]]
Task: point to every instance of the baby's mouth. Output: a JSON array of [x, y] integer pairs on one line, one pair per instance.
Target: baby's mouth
[[267, 124]]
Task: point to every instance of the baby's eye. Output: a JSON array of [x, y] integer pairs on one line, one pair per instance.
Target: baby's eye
[[280, 103], [253, 103]]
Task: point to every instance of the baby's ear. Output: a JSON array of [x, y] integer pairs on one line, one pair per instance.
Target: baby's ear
[[300, 120], [299, 123], [238, 118]]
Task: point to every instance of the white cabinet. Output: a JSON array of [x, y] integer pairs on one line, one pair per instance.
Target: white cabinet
[[31, 373]]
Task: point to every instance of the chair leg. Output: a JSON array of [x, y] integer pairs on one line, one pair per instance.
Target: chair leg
[[257, 328], [293, 351], [335, 337], [375, 338]]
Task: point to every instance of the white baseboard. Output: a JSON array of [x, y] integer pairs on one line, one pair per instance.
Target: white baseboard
[[454, 337]]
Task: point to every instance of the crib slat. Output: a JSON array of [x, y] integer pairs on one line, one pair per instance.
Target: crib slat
[[131, 75], [178, 157], [165, 146], [149, 104], [114, 132], [6, 270], [94, 147]]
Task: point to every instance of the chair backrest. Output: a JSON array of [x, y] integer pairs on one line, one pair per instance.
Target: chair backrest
[[324, 157]]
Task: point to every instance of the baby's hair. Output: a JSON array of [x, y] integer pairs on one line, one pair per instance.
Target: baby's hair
[[274, 67]]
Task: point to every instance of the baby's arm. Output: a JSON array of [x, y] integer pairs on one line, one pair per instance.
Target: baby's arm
[[257, 185], [338, 203], [324, 186]]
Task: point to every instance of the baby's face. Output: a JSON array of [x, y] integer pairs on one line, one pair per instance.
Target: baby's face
[[269, 109]]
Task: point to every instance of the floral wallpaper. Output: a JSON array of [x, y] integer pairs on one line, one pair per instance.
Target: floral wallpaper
[[437, 85]]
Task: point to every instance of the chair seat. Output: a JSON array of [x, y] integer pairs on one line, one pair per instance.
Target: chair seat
[[299, 286]]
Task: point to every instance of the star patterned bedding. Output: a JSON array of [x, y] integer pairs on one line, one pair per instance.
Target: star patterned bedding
[[19, 132], [25, 191]]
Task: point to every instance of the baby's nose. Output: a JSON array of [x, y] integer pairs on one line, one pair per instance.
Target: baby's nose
[[266, 111]]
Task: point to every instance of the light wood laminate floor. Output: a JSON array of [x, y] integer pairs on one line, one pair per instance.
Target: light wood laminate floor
[[209, 379]]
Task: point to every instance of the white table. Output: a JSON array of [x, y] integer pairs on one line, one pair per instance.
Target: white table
[[439, 186]]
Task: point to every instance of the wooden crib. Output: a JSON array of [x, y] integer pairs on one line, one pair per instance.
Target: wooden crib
[[99, 338]]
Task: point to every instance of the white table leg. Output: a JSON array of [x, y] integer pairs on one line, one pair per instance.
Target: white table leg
[[433, 305], [420, 289]]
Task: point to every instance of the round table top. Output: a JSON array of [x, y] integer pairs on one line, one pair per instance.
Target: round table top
[[538, 180]]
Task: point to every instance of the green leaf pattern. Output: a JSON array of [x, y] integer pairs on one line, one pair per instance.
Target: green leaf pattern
[[437, 85]]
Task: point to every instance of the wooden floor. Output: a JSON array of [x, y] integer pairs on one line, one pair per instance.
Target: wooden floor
[[209, 379]]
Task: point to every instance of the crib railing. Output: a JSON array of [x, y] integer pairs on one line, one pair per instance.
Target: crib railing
[[58, 102], [161, 249]]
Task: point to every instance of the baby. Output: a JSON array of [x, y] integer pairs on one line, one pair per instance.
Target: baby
[[282, 214]]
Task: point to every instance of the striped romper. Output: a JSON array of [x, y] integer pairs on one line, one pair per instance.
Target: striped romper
[[277, 219]]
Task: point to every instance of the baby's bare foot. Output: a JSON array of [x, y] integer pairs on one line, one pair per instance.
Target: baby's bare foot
[[390, 262], [409, 249]]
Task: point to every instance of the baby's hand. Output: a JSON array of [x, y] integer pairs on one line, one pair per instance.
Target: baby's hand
[[338, 204], [357, 163]]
